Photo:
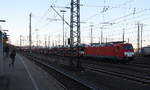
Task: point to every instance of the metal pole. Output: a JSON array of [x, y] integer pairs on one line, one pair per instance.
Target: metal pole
[[30, 40], [101, 35], [63, 11], [138, 37], [123, 35], [63, 29], [65, 38], [37, 38], [91, 34], [20, 41], [128, 40], [99, 40], [141, 35], [59, 39], [91, 37], [49, 41], [53, 43], [106, 39], [45, 41]]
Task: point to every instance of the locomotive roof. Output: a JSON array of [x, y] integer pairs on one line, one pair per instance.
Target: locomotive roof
[[116, 42]]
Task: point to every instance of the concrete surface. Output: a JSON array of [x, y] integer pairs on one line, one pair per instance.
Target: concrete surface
[[26, 76]]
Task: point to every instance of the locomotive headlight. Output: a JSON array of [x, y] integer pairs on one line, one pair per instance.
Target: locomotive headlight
[[81, 52], [129, 54]]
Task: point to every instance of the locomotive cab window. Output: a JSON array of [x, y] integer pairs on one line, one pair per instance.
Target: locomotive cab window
[[128, 47]]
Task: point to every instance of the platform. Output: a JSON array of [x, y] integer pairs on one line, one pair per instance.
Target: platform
[[26, 76]]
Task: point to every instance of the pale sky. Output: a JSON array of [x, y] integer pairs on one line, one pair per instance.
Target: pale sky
[[122, 13]]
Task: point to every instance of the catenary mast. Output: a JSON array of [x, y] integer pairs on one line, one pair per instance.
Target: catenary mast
[[75, 38]]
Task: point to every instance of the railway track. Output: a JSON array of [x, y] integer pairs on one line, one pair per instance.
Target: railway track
[[142, 65], [68, 81], [136, 67], [131, 67], [133, 72], [136, 77], [127, 76]]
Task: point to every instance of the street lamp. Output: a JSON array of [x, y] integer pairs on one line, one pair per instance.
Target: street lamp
[[5, 30], [2, 21], [63, 11]]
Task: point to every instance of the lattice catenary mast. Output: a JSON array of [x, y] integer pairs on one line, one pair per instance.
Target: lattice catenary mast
[[75, 38]]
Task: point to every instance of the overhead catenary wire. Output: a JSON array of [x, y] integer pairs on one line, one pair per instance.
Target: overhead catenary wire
[[40, 19], [140, 19], [47, 11], [121, 18], [60, 16], [127, 15], [118, 23], [109, 8]]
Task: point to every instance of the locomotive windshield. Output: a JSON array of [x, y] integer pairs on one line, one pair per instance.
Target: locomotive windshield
[[128, 47]]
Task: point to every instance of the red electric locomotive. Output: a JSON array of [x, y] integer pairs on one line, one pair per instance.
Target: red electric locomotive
[[116, 50]]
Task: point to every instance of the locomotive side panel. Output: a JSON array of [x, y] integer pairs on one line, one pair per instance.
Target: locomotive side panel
[[99, 51]]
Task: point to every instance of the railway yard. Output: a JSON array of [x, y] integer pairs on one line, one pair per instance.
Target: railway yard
[[75, 45], [99, 75]]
